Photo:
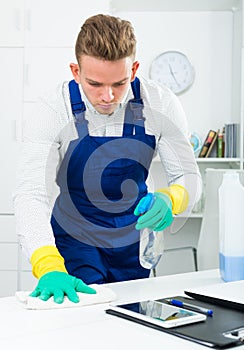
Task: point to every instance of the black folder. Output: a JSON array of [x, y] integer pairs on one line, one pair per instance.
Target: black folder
[[216, 301], [225, 329]]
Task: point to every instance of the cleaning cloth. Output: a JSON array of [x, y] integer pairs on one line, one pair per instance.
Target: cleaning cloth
[[103, 295]]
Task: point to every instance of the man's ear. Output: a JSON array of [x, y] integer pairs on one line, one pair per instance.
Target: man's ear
[[135, 66], [75, 72]]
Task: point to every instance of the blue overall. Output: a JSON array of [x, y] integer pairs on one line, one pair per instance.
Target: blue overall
[[101, 181]]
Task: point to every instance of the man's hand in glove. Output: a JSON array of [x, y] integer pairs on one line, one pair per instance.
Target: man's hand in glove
[[58, 284], [158, 216]]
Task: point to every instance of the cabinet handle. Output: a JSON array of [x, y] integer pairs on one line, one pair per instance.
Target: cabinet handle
[[28, 20], [26, 74], [17, 134], [17, 19]]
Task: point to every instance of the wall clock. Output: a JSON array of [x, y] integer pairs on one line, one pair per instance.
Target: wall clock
[[173, 69]]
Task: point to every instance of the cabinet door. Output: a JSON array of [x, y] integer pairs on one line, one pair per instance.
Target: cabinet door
[[45, 68], [56, 23], [11, 107], [26, 281], [11, 23], [8, 283], [7, 229], [8, 256]]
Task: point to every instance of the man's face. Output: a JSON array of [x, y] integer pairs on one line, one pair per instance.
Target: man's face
[[104, 83]]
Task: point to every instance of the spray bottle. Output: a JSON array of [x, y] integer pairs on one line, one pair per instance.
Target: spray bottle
[[151, 242]]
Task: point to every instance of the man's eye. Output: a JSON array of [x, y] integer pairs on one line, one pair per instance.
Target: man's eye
[[95, 84], [119, 84]]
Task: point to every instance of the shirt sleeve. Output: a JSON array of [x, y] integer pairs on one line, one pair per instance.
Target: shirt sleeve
[[36, 188], [176, 152], [166, 119]]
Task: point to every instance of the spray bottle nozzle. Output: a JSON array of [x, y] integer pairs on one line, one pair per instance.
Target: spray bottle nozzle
[[146, 203]]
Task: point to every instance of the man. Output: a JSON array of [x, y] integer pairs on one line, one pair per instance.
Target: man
[[95, 138]]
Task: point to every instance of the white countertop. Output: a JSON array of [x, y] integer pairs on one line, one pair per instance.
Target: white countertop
[[89, 327]]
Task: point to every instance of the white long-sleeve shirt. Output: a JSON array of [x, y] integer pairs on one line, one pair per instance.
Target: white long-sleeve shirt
[[50, 128]]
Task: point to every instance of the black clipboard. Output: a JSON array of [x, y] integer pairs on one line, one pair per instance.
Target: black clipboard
[[221, 331]]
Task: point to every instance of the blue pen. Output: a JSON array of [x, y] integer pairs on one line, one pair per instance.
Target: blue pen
[[191, 307]]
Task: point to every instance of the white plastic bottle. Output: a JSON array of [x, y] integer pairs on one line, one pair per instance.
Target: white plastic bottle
[[231, 228], [151, 242]]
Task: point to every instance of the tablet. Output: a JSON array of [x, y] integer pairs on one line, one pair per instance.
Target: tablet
[[155, 312]]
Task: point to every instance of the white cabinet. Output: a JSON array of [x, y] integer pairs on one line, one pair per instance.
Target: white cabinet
[[36, 46], [8, 283], [12, 23], [51, 29], [45, 23], [26, 280], [7, 229], [11, 90], [45, 68], [56, 23], [8, 255], [9, 250]]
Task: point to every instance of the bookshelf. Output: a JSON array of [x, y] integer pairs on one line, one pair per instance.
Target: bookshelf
[[211, 160], [218, 160], [198, 215]]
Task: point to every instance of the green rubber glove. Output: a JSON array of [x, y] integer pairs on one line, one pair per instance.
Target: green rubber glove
[[59, 284], [159, 216]]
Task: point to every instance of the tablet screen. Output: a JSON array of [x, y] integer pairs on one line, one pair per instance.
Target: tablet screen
[[158, 310]]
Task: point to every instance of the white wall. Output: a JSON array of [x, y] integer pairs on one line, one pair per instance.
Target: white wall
[[206, 37]]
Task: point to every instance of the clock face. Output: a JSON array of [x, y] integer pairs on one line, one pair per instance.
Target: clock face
[[173, 69]]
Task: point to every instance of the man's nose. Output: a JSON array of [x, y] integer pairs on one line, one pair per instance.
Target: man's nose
[[107, 94]]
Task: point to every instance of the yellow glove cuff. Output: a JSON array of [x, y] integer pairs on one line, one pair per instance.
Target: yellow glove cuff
[[46, 259], [179, 197]]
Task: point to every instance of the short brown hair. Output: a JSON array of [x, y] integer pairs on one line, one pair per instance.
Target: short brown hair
[[106, 37]]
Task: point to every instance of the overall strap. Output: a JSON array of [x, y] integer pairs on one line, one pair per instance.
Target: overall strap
[[77, 105], [133, 113], [78, 109], [135, 85]]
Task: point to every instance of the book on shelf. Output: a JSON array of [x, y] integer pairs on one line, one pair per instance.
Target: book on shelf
[[231, 140], [221, 143], [208, 144]]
